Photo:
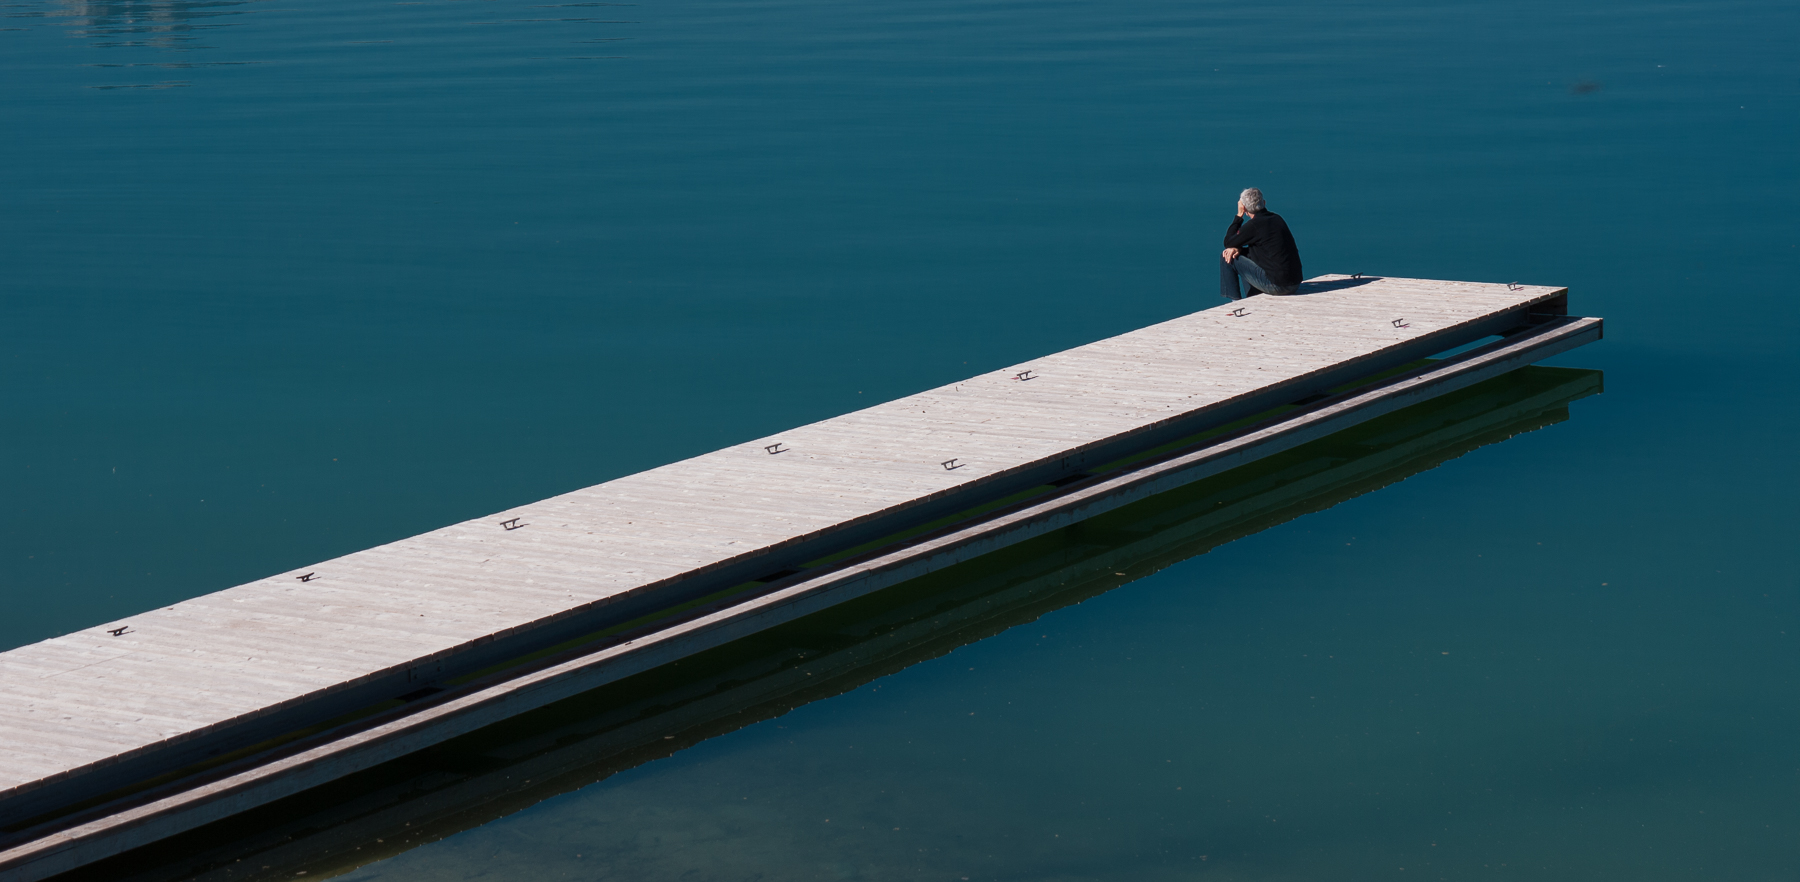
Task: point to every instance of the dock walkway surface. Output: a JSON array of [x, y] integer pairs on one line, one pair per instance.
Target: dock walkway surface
[[89, 715]]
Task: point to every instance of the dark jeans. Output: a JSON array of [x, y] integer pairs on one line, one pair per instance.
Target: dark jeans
[[1252, 275]]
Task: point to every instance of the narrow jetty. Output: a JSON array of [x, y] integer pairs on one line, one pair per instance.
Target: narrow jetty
[[360, 820], [136, 730]]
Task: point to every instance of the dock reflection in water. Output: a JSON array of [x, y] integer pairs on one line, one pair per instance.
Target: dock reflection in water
[[513, 765], [164, 24]]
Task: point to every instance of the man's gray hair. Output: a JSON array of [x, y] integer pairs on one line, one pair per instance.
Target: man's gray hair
[[1252, 200]]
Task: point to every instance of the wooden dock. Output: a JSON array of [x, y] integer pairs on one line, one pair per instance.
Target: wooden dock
[[503, 769], [135, 730]]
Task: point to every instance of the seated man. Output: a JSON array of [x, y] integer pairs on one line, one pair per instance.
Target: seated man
[[1258, 248]]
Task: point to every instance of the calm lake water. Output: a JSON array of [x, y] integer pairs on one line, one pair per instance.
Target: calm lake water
[[280, 281]]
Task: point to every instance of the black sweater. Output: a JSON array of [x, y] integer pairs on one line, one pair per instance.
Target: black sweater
[[1266, 240]]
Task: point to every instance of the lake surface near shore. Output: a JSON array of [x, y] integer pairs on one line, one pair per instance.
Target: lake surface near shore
[[281, 281]]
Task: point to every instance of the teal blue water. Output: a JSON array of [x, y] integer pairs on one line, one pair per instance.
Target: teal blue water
[[280, 281]]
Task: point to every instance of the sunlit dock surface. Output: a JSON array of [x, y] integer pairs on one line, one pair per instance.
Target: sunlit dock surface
[[504, 768], [137, 730]]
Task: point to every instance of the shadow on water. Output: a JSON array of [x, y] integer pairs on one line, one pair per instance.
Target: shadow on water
[[513, 765]]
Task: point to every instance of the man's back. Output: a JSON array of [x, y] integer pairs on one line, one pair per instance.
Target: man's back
[[1265, 238]]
